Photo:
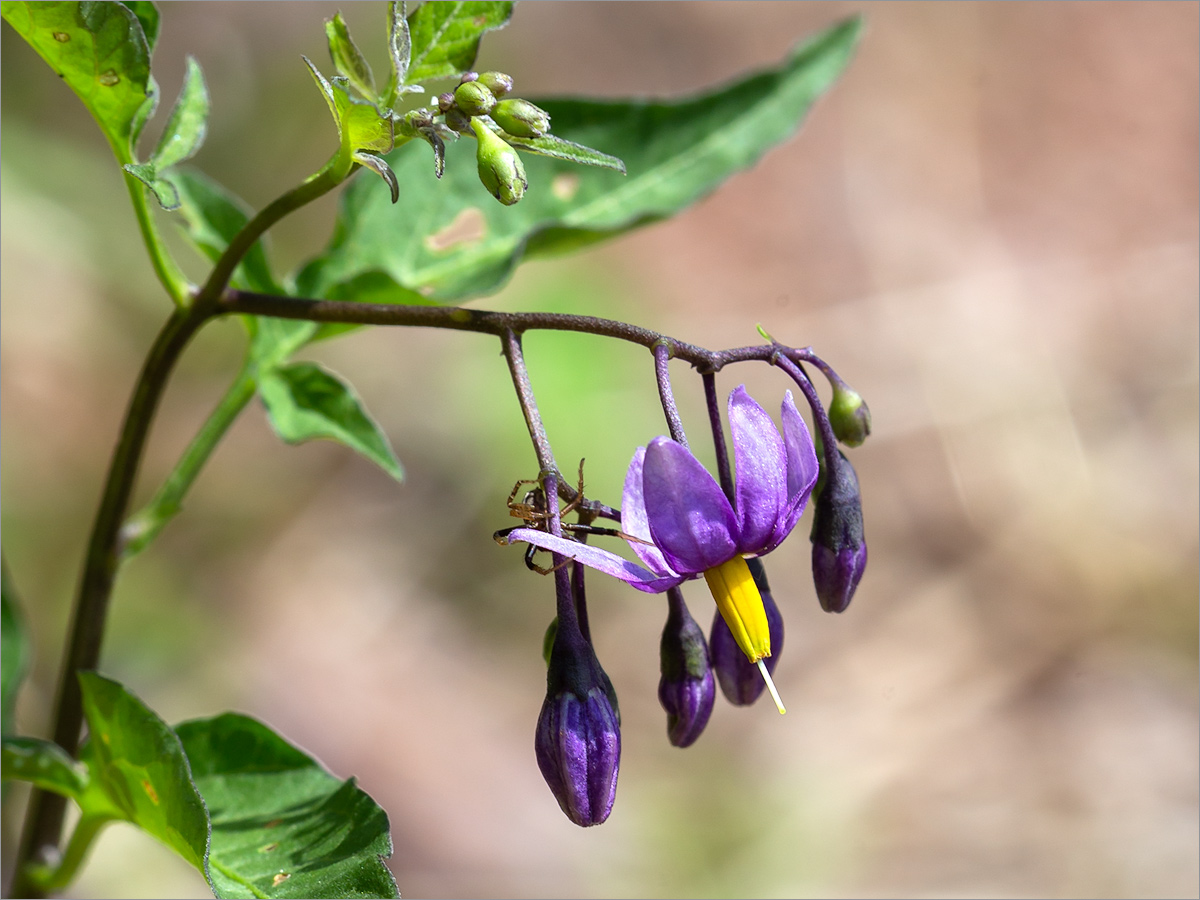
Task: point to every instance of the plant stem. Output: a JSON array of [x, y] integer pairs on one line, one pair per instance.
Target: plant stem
[[511, 341], [724, 473], [43, 823], [169, 274], [662, 375], [143, 526], [50, 880], [832, 458]]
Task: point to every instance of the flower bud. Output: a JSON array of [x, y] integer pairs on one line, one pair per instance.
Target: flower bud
[[849, 416], [474, 98], [740, 680], [686, 689], [500, 168], [578, 738], [445, 101], [839, 554], [468, 76], [496, 82], [521, 118]]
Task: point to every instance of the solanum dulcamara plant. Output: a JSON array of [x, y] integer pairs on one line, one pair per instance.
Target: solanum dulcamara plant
[[435, 135]]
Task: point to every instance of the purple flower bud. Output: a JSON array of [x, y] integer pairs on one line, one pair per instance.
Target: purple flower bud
[[578, 739], [686, 689], [740, 680], [839, 555]]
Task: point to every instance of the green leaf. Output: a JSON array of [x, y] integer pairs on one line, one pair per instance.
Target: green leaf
[[399, 52], [347, 57], [163, 189], [14, 650], [445, 36], [139, 772], [213, 216], [102, 53], [557, 148], [188, 122], [147, 14], [675, 153], [305, 402], [360, 124], [281, 825], [44, 764]]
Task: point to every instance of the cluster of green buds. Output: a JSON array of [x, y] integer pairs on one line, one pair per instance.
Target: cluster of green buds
[[479, 107]]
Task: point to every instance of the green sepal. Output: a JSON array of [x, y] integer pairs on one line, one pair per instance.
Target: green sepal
[[305, 402], [557, 148]]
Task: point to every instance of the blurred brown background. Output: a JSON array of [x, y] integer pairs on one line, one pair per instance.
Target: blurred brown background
[[989, 227]]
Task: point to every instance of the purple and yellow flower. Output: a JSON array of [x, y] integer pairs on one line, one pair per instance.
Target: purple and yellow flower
[[683, 526]]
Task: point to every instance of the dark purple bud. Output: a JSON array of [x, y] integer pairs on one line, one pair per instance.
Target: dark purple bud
[[578, 739], [496, 82], [740, 680], [686, 689], [445, 101], [839, 555]]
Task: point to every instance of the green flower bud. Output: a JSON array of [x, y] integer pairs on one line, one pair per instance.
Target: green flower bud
[[849, 416], [496, 82], [500, 168], [474, 98], [457, 120], [521, 118]]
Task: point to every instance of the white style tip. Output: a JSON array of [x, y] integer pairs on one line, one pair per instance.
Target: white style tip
[[762, 667]]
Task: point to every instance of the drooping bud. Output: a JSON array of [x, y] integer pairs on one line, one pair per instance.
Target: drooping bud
[[740, 680], [578, 738], [474, 98], [500, 168], [496, 82], [849, 416], [521, 118], [839, 555], [686, 689]]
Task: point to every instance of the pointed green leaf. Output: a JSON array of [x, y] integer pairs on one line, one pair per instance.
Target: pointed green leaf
[[14, 650], [163, 189], [400, 51], [557, 148], [213, 216], [379, 166], [675, 153], [282, 826], [102, 53], [305, 402], [445, 36], [188, 122], [139, 772], [147, 14], [347, 58], [43, 764]]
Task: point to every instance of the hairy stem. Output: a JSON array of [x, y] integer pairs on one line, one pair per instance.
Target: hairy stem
[[662, 375], [43, 824], [511, 341]]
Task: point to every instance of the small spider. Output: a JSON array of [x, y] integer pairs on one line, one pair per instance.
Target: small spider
[[534, 513]]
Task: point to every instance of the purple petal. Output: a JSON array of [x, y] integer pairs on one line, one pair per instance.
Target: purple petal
[[633, 517], [802, 467], [760, 461], [601, 560], [690, 520]]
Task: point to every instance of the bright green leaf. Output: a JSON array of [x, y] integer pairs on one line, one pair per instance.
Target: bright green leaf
[[305, 402], [139, 772], [445, 36], [44, 764], [281, 825], [14, 650], [675, 153], [557, 148], [347, 57], [102, 53], [363, 128], [188, 122], [213, 216]]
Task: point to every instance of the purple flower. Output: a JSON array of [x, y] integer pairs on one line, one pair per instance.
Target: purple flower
[[685, 526], [686, 689]]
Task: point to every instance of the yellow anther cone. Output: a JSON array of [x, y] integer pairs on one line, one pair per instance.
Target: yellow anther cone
[[741, 606]]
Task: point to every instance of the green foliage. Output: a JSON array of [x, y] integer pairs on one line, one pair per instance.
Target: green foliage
[[138, 771], [14, 651], [44, 764], [347, 58], [180, 139], [305, 402], [675, 153], [102, 52], [445, 37], [281, 825]]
